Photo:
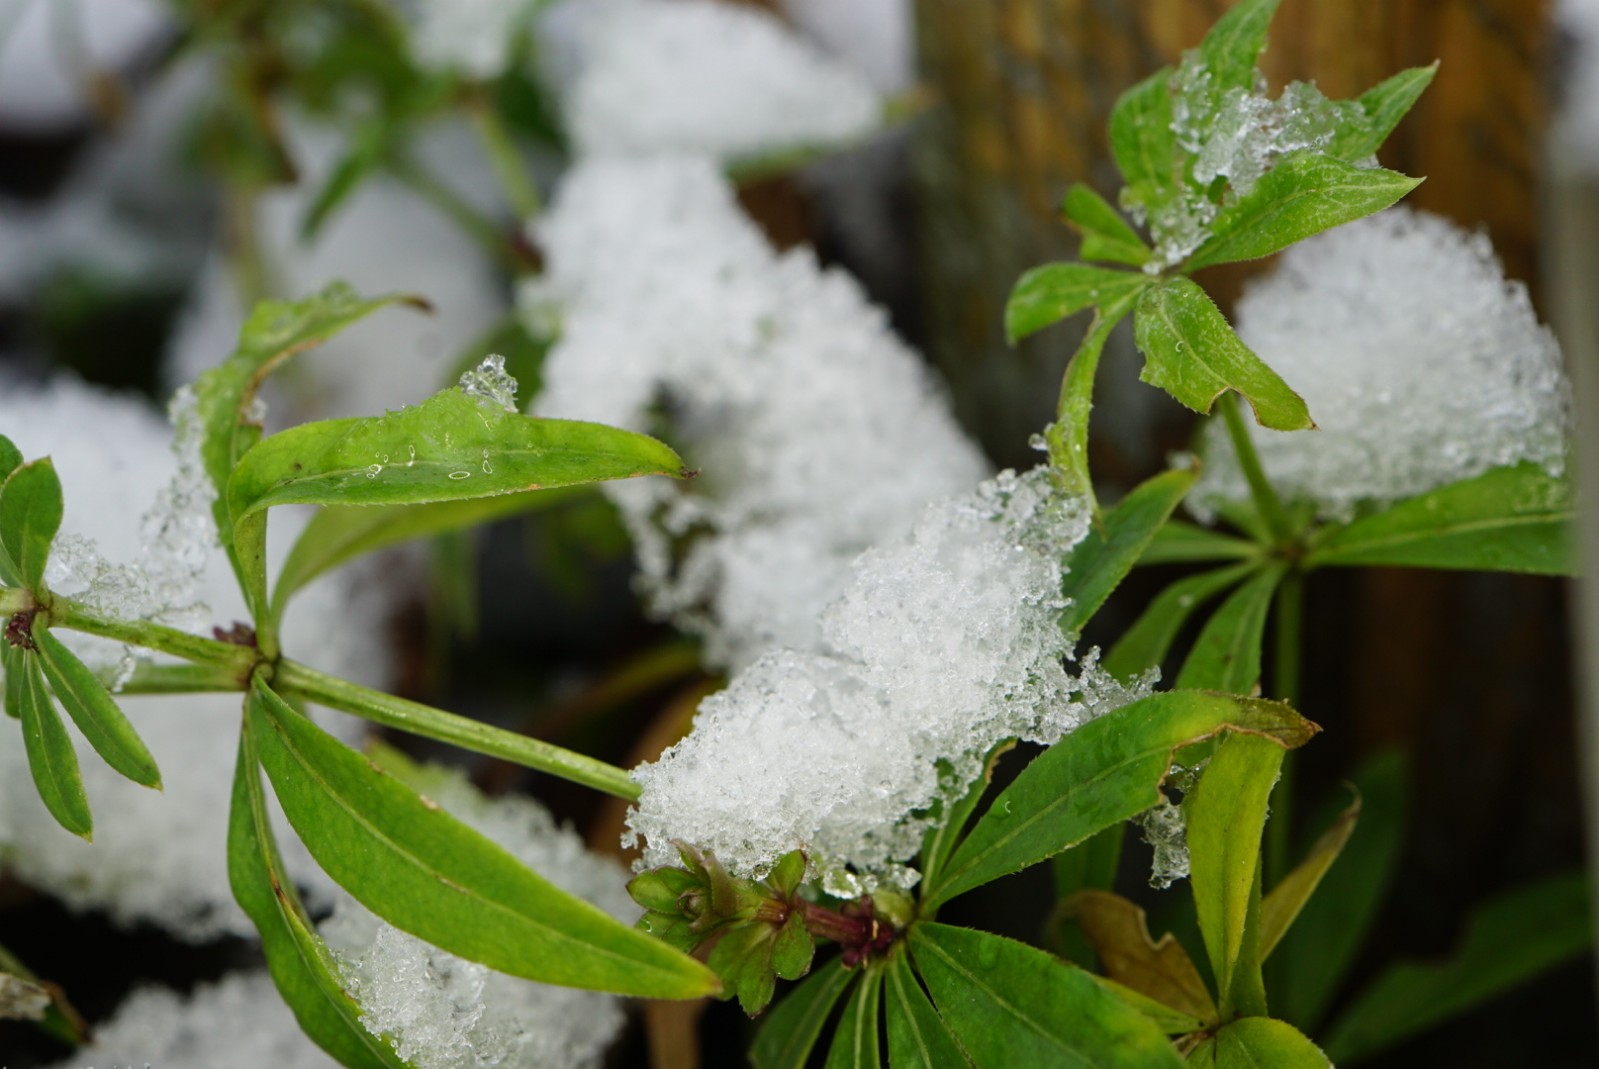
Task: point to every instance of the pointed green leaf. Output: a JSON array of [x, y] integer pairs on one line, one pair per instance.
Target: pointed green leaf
[[942, 838], [428, 874], [1318, 951], [1168, 1020], [1143, 143], [1098, 564], [1046, 295], [1262, 1043], [301, 966], [1515, 519], [30, 516], [1192, 353], [1067, 436], [1226, 814], [11, 664], [1202, 1056], [792, 948], [51, 759], [1302, 196], [10, 461], [1107, 771], [1181, 543], [1509, 939], [369, 142], [1144, 645], [1384, 104], [1234, 43], [1282, 906], [1106, 235], [1227, 654], [789, 1032], [225, 396], [91, 707], [1010, 1005], [857, 1044], [917, 1036]]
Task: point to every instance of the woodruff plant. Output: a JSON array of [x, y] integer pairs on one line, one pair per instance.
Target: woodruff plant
[[745, 887]]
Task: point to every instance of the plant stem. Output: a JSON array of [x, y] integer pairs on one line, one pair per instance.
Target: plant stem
[[238, 660], [418, 719], [15, 601], [507, 161], [182, 679], [1266, 500]]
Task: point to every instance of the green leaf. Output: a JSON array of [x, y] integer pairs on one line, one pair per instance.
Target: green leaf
[[1067, 436], [301, 966], [1168, 1020], [1226, 814], [1046, 295], [11, 665], [1515, 519], [1262, 1043], [369, 143], [1182, 543], [30, 515], [1227, 654], [1105, 772], [1234, 43], [1509, 939], [1282, 906], [792, 948], [428, 874], [1161, 970], [917, 1036], [790, 1031], [225, 395], [1192, 353], [1009, 1004], [942, 838], [451, 447], [51, 759], [1144, 645], [1106, 235], [856, 1044], [1143, 143], [1384, 104], [10, 458], [742, 960], [91, 707], [1098, 564], [1303, 195], [1203, 1056], [1320, 948], [337, 535]]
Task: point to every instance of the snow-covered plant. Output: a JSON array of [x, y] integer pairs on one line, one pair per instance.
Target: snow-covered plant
[[894, 619]]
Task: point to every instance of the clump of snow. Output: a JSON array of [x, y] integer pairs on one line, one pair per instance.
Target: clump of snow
[[818, 432], [157, 856], [1420, 363], [876, 37], [46, 48], [442, 1011], [237, 1021], [469, 37], [1577, 129], [941, 645], [730, 81]]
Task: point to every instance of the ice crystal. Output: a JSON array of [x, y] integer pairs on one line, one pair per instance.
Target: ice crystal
[[1420, 364], [941, 644], [1167, 832], [817, 432], [489, 381]]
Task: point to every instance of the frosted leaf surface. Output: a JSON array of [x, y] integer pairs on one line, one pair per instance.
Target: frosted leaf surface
[[701, 75], [491, 382], [159, 856], [1577, 128], [470, 37], [444, 1012], [238, 1021], [941, 644], [1421, 364], [817, 432]]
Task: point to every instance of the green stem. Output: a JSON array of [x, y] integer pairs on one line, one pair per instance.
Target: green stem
[[1266, 500], [292, 678], [507, 161], [181, 679], [238, 660], [13, 601]]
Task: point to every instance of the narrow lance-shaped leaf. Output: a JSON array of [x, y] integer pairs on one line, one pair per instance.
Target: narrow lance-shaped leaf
[[30, 516], [1508, 940], [1384, 104], [1180, 543], [452, 447], [299, 962], [1143, 143], [1106, 235], [1234, 43], [91, 707], [1227, 654], [1067, 437], [51, 758], [1144, 645], [942, 838], [1009, 1004], [11, 665], [918, 1038], [1260, 1042], [1514, 519], [10, 461], [1302, 196], [789, 1032], [1099, 563], [1193, 354], [1283, 904], [1107, 771], [1226, 814], [856, 1044], [1046, 295], [428, 874], [1160, 970]]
